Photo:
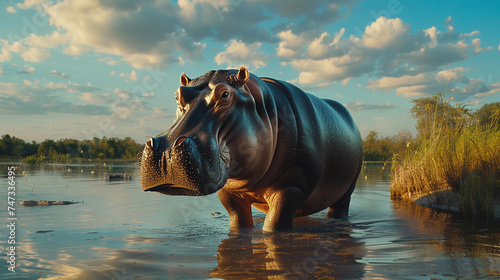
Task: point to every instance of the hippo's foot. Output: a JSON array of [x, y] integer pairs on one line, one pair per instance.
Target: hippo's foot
[[282, 206], [339, 209]]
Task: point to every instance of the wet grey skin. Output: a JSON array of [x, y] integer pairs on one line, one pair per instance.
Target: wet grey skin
[[257, 142]]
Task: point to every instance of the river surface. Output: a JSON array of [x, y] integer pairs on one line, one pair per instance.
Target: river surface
[[121, 232]]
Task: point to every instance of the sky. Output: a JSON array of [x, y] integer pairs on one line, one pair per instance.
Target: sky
[[95, 68]]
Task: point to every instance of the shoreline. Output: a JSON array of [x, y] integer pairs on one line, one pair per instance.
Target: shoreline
[[447, 200]]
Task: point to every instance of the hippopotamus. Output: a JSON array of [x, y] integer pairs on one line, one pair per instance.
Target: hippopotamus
[[257, 142]]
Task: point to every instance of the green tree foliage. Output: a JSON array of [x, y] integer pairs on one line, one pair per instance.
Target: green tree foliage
[[489, 115], [63, 149], [376, 148], [435, 115], [15, 147]]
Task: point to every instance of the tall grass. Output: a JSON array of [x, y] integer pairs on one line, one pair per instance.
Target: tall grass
[[464, 158]]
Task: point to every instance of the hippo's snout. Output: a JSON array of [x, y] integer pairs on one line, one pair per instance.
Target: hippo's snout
[[185, 166]]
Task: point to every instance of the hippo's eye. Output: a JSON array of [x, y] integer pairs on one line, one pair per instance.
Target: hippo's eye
[[225, 94]]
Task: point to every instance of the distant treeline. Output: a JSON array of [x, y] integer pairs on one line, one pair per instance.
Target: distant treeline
[[65, 149], [376, 148]]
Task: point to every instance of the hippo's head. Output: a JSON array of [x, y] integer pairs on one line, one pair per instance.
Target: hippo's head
[[223, 129]]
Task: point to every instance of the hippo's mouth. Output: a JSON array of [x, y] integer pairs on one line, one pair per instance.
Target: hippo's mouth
[[171, 189]]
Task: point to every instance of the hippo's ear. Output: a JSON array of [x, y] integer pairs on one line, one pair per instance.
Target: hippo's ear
[[185, 80], [243, 76]]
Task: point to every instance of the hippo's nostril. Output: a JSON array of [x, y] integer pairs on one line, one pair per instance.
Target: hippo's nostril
[[180, 140], [150, 143]]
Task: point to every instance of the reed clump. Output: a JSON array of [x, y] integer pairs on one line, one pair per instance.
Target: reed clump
[[456, 150]]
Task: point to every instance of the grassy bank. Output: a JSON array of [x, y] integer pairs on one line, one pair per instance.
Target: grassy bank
[[462, 155]]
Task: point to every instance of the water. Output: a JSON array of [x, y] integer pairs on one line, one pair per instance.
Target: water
[[120, 232]]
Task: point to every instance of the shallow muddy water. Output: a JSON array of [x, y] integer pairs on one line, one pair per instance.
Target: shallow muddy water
[[120, 232]]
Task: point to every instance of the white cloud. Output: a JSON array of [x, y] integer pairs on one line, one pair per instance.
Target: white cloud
[[149, 33], [30, 4], [386, 49], [53, 85], [30, 83], [324, 45], [2, 73], [35, 55], [143, 34], [457, 74], [361, 106], [331, 69], [132, 76], [142, 60], [7, 48], [160, 110], [58, 74], [388, 83], [476, 46], [10, 9], [34, 99], [94, 98], [181, 61], [126, 109], [121, 93], [346, 81], [240, 54], [430, 83], [148, 95], [5, 55], [47, 41], [15, 47], [290, 44], [412, 91], [384, 33], [28, 70], [109, 60], [75, 50], [432, 34]]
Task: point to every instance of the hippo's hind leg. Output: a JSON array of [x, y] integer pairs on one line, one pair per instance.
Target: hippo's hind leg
[[340, 209]]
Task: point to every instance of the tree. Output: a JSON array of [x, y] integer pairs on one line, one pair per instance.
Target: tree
[[6, 145], [47, 148], [489, 115], [435, 116], [383, 149], [111, 148]]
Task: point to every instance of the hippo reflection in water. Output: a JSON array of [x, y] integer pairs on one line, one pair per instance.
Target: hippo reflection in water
[[257, 142]]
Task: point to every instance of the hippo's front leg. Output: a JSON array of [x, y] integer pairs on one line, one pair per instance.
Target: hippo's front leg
[[282, 206], [238, 208]]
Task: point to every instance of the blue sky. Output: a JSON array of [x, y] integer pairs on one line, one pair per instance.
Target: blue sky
[[83, 69]]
